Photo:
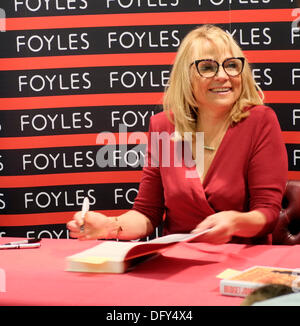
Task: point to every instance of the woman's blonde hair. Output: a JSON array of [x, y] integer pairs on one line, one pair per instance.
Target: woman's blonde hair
[[179, 98]]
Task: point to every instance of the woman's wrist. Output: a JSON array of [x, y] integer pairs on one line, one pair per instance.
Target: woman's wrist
[[114, 228], [248, 224]]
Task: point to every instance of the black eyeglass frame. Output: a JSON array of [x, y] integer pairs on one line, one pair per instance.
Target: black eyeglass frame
[[196, 63]]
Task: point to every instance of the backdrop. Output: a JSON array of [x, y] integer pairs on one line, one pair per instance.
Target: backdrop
[[80, 74]]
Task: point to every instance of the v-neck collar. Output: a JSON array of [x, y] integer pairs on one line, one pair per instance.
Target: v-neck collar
[[216, 157]]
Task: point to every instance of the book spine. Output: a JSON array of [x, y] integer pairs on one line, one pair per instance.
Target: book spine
[[237, 289]]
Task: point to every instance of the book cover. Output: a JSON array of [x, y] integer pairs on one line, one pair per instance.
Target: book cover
[[250, 279], [119, 256]]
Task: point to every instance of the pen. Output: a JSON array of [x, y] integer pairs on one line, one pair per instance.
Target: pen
[[85, 208], [32, 240], [21, 246]]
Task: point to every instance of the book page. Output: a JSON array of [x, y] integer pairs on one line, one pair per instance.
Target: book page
[[178, 237]]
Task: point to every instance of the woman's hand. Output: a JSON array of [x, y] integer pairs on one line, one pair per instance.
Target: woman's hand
[[96, 226], [128, 226], [222, 227]]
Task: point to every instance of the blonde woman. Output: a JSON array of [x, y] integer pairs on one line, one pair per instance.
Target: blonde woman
[[236, 185]]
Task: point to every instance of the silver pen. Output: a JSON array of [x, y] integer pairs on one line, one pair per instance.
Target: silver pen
[[20, 246], [85, 208]]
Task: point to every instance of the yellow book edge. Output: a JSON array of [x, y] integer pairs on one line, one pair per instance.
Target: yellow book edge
[[93, 260], [228, 273]]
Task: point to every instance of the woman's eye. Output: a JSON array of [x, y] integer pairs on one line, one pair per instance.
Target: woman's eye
[[207, 68], [232, 65]]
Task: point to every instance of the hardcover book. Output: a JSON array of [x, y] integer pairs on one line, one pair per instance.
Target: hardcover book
[[119, 256], [250, 279]]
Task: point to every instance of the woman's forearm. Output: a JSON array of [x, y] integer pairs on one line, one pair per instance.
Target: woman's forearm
[[249, 224], [133, 225]]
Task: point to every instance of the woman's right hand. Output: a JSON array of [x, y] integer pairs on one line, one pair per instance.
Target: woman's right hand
[[96, 226]]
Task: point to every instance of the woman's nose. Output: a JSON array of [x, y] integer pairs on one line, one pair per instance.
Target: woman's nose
[[221, 74]]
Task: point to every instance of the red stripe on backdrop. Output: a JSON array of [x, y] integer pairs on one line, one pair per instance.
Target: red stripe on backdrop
[[291, 137], [70, 179], [24, 103], [145, 19], [294, 175], [282, 96], [103, 138], [90, 60], [46, 218], [130, 59], [273, 56], [130, 19]]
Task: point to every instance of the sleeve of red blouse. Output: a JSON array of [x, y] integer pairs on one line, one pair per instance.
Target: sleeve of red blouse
[[268, 168], [150, 198]]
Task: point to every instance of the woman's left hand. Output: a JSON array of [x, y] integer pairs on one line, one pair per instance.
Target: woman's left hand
[[222, 227]]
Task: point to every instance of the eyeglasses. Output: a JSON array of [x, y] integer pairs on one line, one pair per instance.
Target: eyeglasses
[[208, 68]]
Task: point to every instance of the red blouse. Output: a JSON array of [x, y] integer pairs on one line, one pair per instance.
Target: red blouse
[[248, 172]]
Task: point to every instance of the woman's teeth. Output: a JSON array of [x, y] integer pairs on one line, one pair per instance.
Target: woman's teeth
[[220, 90]]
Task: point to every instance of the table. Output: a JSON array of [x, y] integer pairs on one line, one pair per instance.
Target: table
[[184, 275]]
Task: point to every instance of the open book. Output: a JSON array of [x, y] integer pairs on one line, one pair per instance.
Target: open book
[[119, 257]]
